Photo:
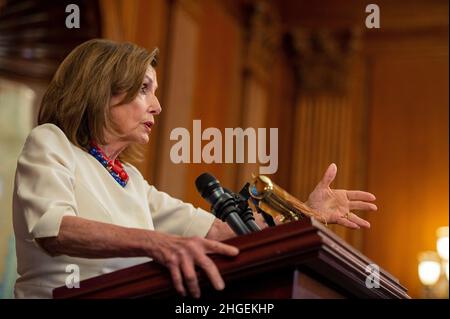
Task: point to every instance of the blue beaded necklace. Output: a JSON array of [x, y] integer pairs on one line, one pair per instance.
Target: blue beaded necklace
[[114, 168]]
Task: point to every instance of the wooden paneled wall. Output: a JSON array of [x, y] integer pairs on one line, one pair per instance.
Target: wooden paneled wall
[[399, 116], [226, 63], [408, 150]]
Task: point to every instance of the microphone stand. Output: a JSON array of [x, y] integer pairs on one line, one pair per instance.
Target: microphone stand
[[243, 206], [246, 212]]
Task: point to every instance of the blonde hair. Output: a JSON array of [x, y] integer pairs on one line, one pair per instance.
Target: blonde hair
[[77, 99]]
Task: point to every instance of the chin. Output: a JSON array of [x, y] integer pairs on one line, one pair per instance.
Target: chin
[[143, 140]]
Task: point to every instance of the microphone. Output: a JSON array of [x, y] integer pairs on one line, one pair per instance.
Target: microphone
[[243, 209], [223, 205]]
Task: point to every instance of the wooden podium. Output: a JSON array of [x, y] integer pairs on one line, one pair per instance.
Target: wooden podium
[[301, 259]]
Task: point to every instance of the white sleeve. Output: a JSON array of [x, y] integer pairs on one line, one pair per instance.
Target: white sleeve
[[176, 217], [44, 182]]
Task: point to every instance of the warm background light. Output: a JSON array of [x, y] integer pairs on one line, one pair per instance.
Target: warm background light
[[429, 268], [446, 269], [442, 242]]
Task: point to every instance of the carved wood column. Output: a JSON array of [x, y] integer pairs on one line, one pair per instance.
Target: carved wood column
[[263, 38], [329, 112]]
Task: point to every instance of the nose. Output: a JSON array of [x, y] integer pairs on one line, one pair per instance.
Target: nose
[[154, 106]]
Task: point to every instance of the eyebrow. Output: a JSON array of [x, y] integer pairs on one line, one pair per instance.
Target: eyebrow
[[151, 81]]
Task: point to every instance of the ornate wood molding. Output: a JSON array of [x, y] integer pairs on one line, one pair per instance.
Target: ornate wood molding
[[263, 35], [34, 38], [322, 58]]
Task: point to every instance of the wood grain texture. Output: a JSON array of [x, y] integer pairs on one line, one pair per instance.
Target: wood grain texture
[[408, 166], [263, 269]]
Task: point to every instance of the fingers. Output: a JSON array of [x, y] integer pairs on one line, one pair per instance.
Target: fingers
[[353, 221], [358, 220], [211, 271], [360, 195], [190, 276], [182, 264], [259, 219], [177, 280], [202, 260], [199, 258], [329, 175], [360, 205], [213, 246], [347, 223], [278, 220]]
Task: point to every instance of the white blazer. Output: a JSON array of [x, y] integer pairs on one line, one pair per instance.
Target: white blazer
[[55, 178]]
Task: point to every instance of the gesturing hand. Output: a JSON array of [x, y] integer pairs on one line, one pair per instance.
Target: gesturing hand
[[336, 204], [181, 254]]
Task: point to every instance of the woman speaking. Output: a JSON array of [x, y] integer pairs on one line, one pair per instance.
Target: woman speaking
[[78, 201]]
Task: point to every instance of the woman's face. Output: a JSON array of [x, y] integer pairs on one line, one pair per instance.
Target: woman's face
[[135, 119]]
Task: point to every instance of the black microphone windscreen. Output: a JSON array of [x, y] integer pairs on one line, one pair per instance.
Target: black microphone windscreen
[[204, 181]]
